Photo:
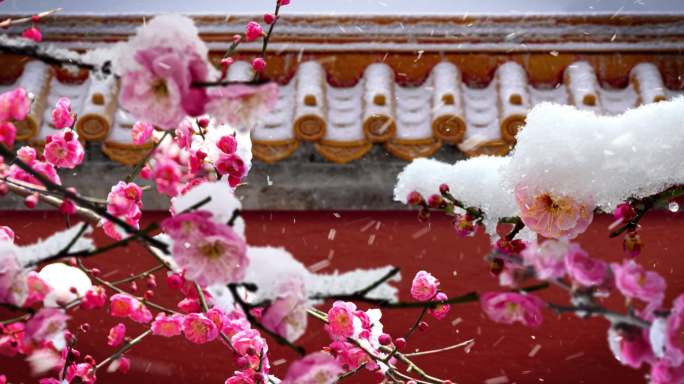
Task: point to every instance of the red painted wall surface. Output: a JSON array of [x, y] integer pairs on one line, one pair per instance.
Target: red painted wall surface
[[572, 350]]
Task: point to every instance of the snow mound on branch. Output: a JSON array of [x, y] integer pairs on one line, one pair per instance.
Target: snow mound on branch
[[41, 250], [476, 182], [269, 267], [566, 151]]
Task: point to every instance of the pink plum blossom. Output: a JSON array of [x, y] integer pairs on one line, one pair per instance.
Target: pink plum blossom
[[509, 307], [161, 91], [208, 252], [36, 287], [121, 305], [674, 329], [258, 64], [26, 154], [241, 106], [584, 269], [553, 216], [441, 310], [424, 286], [167, 326], [547, 258], [116, 335], [46, 324], [662, 372], [14, 105], [630, 346], [349, 356], [6, 234], [341, 320], [167, 176], [94, 298], [84, 371], [12, 340], [227, 144], [62, 116], [635, 282], [141, 132], [315, 368], [141, 314], [250, 345], [8, 132], [287, 315], [63, 150], [233, 166], [199, 329], [125, 199], [240, 377], [183, 136]]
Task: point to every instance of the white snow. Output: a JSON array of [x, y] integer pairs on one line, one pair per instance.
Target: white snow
[[565, 151]]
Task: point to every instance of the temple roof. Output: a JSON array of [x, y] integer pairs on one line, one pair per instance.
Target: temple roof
[[361, 94]]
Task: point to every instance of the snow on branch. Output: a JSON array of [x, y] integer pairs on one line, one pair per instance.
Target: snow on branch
[[563, 151]]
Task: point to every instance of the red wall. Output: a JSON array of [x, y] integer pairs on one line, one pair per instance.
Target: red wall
[[572, 350]]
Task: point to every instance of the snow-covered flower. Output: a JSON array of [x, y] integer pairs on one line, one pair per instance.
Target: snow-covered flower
[[551, 215], [584, 269], [241, 106], [167, 326], [424, 286], [635, 282], [167, 57], [315, 368], [509, 307], [62, 116], [48, 324], [208, 252], [63, 150], [287, 315]]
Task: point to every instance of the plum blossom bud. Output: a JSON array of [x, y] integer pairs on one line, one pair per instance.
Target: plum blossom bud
[[385, 339], [253, 31], [283, 2], [116, 335], [435, 201], [31, 201], [624, 211], [175, 281], [400, 343], [440, 311], [227, 144], [269, 18], [414, 198], [443, 188], [424, 286], [33, 33], [259, 64], [423, 326], [203, 122]]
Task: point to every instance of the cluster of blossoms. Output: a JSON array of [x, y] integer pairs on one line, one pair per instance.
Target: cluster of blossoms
[[62, 149], [196, 155], [123, 201]]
